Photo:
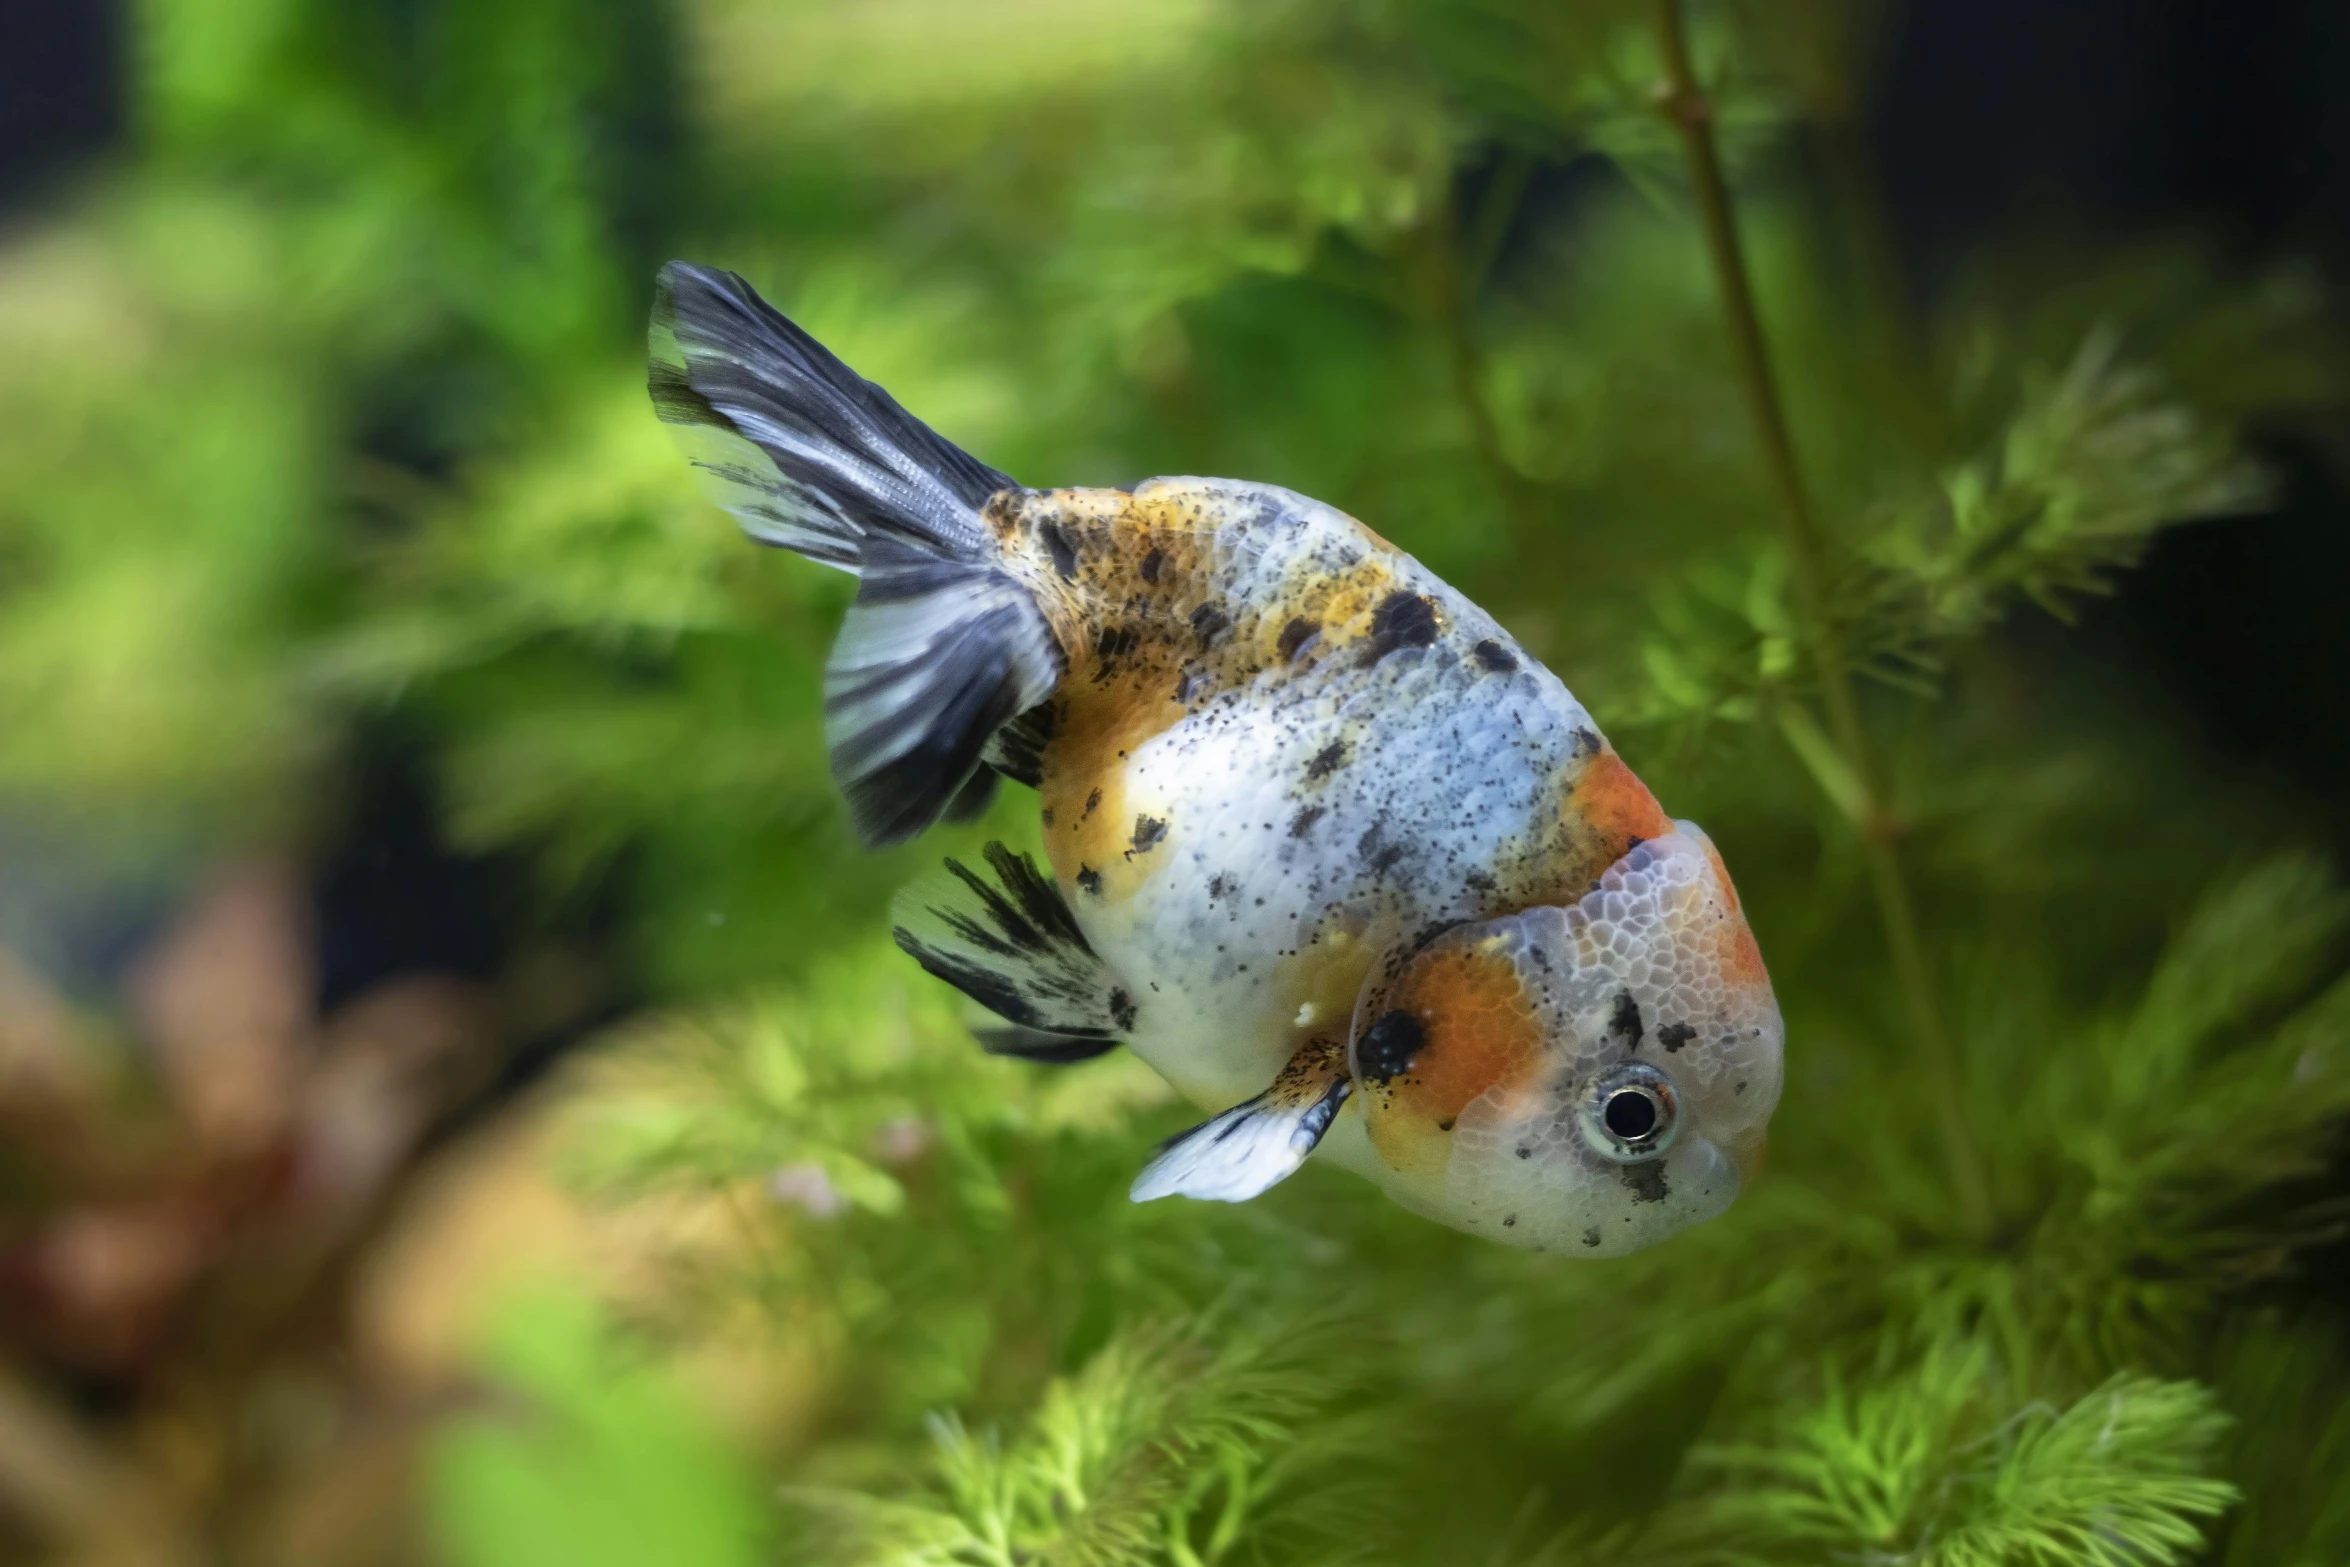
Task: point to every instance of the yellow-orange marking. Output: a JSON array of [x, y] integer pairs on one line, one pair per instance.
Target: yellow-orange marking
[[1481, 1034]]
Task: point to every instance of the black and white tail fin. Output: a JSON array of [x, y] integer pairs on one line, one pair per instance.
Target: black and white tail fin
[[1010, 944], [943, 647], [806, 452]]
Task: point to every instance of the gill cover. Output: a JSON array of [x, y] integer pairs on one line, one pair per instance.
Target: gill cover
[[1586, 1079]]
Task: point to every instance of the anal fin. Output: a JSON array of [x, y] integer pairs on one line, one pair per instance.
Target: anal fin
[[1008, 941], [1233, 1156], [1039, 1045]]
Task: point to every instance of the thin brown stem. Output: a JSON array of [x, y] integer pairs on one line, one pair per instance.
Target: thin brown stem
[[1686, 105]]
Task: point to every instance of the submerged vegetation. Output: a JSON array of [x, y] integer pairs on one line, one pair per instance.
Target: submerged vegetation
[[327, 435]]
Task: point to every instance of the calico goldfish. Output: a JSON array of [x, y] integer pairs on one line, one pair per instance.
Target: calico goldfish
[[1326, 847]]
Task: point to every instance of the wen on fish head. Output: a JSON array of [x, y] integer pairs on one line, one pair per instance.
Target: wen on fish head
[[1586, 1079]]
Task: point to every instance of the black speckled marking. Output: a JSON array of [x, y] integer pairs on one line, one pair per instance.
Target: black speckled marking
[[1303, 822], [1646, 1179], [1295, 635], [1586, 743], [1149, 832], [1122, 1011], [1674, 1035], [1623, 1021], [1591, 1236], [1149, 569], [1389, 1044], [1403, 619], [1429, 932], [1063, 553], [1114, 643], [1208, 623], [1495, 657], [1089, 880], [1218, 886], [1326, 761]]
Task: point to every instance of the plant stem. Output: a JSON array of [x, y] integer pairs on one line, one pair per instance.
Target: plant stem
[[1685, 103]]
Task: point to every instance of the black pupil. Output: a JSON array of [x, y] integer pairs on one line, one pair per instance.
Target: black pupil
[[1630, 1114]]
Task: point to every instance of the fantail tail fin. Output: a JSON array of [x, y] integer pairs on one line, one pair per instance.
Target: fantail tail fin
[[943, 647]]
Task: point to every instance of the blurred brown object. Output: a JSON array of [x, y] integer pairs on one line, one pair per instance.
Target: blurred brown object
[[40, 1065], [183, 1211], [223, 1003]]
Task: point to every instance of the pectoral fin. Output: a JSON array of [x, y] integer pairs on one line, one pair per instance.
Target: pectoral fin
[[1234, 1156]]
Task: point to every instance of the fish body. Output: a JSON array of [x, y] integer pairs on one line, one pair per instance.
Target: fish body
[[1281, 745], [1327, 848]]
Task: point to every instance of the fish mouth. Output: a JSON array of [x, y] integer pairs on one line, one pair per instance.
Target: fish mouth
[[1749, 1155]]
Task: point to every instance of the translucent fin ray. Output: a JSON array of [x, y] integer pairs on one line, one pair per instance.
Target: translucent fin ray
[[1009, 942], [943, 647], [1257, 1144]]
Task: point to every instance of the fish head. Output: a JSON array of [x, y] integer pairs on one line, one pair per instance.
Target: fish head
[[1584, 1079]]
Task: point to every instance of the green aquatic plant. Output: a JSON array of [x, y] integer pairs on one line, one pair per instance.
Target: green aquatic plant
[[1581, 307]]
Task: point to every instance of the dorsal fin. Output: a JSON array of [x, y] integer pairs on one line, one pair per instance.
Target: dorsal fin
[[1010, 943]]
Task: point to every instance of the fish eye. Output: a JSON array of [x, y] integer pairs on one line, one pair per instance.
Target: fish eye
[[1630, 1113]]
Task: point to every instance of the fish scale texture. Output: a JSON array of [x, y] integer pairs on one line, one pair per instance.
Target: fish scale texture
[[1655, 933], [1280, 875]]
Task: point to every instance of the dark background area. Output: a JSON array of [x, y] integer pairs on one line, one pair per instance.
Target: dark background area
[[2222, 115]]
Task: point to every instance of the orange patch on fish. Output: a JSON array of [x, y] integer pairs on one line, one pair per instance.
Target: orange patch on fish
[[1611, 798], [1119, 579], [1480, 1034], [1100, 841], [1601, 811], [1740, 955]]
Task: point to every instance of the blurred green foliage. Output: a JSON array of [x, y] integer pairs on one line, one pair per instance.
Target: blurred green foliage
[[586, 1464], [325, 419]]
